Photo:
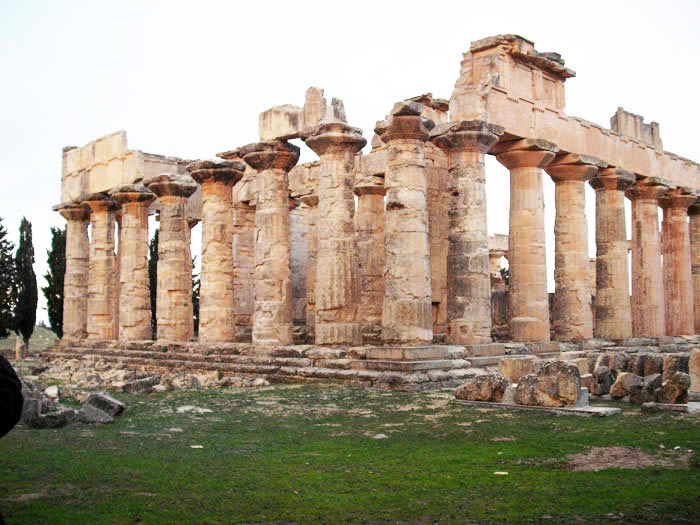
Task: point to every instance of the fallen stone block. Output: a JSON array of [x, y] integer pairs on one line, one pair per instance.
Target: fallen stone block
[[674, 390], [556, 384], [673, 363], [92, 414], [646, 393], [513, 368], [105, 403], [485, 387], [142, 386], [603, 380], [626, 384]]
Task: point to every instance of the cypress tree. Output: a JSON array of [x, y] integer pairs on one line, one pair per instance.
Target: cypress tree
[[25, 308], [153, 278], [54, 279], [7, 282], [195, 296]]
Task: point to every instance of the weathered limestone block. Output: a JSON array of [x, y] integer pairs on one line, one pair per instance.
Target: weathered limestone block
[[174, 288], [646, 393], [101, 321], [272, 321], [311, 202], [513, 368], [647, 279], [626, 384], [694, 369], [299, 230], [468, 271], [694, 237], [616, 361], [75, 284], [528, 297], [486, 387], [572, 298], [216, 177], [645, 363], [581, 363], [603, 380], [134, 288], [337, 287], [673, 363], [243, 265], [407, 311], [674, 390], [678, 283], [613, 310], [556, 384]]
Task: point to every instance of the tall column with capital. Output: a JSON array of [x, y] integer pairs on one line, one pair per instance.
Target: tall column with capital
[[174, 292], [134, 290], [468, 275], [407, 312], [101, 321], [613, 310], [647, 279], [217, 178], [573, 319], [694, 236], [678, 287], [369, 228], [272, 320], [528, 298], [75, 282], [337, 291]]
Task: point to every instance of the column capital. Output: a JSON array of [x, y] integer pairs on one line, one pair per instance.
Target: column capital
[[525, 153], [573, 166], [649, 188], [676, 198], [369, 185], [404, 123], [171, 184], [310, 200], [612, 179], [73, 211], [466, 135], [334, 138], [132, 193], [227, 172], [275, 154], [101, 201]]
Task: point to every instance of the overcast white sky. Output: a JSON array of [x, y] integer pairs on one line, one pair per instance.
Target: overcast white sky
[[189, 78]]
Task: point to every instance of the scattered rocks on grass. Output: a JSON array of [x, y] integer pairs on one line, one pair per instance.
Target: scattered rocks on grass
[[486, 387], [556, 384], [674, 390]]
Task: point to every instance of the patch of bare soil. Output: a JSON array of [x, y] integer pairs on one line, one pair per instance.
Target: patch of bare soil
[[600, 458]]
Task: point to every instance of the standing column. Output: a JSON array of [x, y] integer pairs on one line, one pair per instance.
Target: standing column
[[337, 293], [174, 292], [528, 298], [272, 320], [407, 313], [468, 277], [217, 178], [573, 319], [134, 289], [311, 202], [613, 311], [101, 322], [75, 283], [243, 268], [694, 236], [647, 280], [369, 228], [678, 284]]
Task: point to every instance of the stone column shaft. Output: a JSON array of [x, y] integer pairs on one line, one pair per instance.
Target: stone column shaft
[[694, 236], [311, 201], [75, 283], [528, 298], [134, 288], [337, 292], [468, 275], [407, 312], [243, 266], [613, 311], [272, 323]]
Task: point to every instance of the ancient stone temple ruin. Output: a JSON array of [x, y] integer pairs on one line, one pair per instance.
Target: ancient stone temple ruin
[[375, 267]]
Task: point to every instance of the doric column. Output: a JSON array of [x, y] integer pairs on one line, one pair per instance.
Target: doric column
[[613, 311], [134, 289], [75, 283], [678, 283], [311, 203], [469, 290], [243, 266], [694, 235], [337, 292], [369, 228], [272, 320], [407, 312], [528, 298], [573, 320], [101, 322], [174, 292], [647, 278], [217, 177]]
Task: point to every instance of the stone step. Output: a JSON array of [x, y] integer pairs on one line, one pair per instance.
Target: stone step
[[407, 353], [402, 366]]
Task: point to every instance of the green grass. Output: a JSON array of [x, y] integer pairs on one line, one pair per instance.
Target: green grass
[[41, 338], [307, 454]]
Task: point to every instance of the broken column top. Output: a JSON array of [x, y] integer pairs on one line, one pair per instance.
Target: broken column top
[[136, 192], [405, 121], [228, 171], [171, 184]]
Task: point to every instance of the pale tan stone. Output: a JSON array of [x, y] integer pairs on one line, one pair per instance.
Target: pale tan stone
[[134, 289], [337, 291], [528, 297], [694, 236], [613, 310], [468, 275], [407, 310], [216, 277], [694, 370], [272, 320], [513, 368], [311, 201], [436, 174], [174, 288], [243, 265]]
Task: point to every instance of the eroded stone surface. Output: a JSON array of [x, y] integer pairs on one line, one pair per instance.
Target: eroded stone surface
[[556, 384], [486, 387]]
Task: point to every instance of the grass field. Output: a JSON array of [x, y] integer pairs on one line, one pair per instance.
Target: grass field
[[333, 454], [40, 339]]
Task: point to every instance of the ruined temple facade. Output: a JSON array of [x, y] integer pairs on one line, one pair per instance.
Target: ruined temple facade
[[390, 247]]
